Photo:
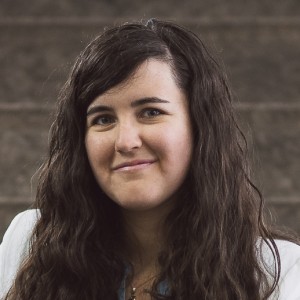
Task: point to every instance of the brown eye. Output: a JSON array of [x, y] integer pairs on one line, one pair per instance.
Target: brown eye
[[151, 113], [104, 120]]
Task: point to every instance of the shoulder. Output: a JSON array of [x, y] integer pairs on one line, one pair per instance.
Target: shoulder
[[290, 270], [20, 228], [288, 285], [15, 245], [289, 253]]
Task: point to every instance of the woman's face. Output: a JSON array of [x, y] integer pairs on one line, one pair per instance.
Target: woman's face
[[139, 138]]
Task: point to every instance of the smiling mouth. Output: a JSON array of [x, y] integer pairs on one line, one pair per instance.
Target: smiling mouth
[[133, 166]]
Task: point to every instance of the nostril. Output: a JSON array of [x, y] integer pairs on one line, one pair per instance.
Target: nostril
[[128, 142]]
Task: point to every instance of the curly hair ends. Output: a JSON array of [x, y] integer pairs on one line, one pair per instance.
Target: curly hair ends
[[213, 233]]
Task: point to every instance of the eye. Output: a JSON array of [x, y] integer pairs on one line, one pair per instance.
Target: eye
[[151, 113], [103, 120]]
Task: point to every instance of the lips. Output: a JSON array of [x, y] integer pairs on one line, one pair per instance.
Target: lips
[[133, 165]]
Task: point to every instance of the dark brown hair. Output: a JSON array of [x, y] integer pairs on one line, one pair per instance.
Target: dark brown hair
[[213, 232]]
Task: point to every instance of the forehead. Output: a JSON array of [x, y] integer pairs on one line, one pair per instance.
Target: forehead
[[153, 78]]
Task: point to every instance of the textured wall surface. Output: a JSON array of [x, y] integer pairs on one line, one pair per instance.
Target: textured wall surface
[[258, 42]]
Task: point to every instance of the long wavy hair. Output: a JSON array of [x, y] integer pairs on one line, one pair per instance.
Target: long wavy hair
[[212, 233]]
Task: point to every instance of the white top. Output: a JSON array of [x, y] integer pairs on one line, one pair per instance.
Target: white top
[[15, 246]]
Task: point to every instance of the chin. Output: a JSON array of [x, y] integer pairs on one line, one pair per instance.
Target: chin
[[137, 203], [138, 206]]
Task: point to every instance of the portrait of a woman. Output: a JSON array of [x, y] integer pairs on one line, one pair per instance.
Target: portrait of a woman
[[146, 193]]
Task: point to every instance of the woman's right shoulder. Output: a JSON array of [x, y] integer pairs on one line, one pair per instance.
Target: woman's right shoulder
[[15, 245], [19, 232], [22, 225]]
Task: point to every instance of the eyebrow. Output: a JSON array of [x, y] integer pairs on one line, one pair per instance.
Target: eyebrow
[[135, 103]]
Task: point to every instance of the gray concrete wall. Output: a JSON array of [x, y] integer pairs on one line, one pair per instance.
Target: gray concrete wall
[[259, 42]]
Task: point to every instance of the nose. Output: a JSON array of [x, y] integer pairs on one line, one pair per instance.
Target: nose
[[127, 138]]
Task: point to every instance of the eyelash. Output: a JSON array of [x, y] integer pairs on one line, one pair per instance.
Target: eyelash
[[142, 114], [160, 112], [95, 121]]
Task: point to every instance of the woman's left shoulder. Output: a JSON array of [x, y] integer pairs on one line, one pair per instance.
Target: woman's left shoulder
[[289, 253], [288, 250], [289, 256]]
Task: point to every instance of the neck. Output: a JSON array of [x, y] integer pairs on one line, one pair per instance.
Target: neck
[[144, 233]]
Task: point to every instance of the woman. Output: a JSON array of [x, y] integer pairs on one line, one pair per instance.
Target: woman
[[146, 193]]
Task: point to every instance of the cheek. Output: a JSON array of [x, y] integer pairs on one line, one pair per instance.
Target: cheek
[[175, 147], [98, 150]]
